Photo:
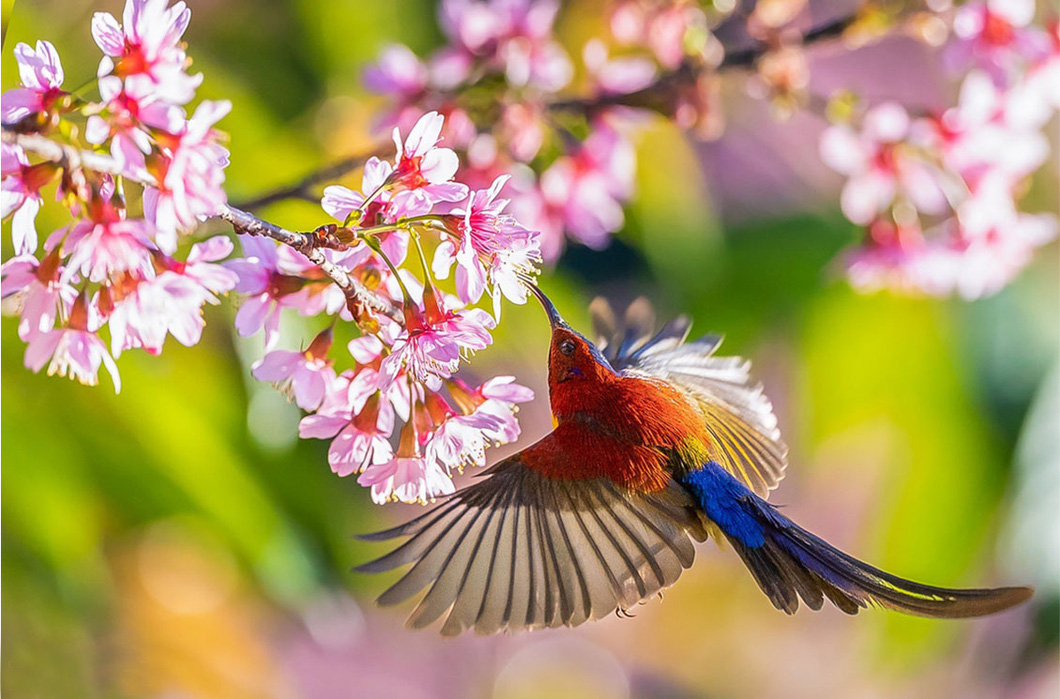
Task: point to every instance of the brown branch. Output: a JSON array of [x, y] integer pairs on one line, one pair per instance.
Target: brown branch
[[687, 73], [306, 243], [73, 159], [301, 189]]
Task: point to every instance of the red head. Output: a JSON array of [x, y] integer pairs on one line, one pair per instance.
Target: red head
[[574, 363]]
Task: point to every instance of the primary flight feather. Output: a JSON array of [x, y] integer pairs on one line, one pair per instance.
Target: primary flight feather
[[658, 444]]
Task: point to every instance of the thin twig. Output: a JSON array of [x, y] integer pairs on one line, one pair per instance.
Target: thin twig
[[301, 189], [73, 159]]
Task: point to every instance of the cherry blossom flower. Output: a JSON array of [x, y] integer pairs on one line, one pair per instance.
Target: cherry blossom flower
[[983, 265], [21, 197], [420, 164], [132, 105], [385, 207], [995, 36], [399, 72], [191, 181], [148, 42], [270, 277], [105, 246], [588, 187], [407, 476], [306, 375], [986, 134], [615, 76], [361, 436], [491, 248], [879, 166], [433, 341], [401, 75], [41, 74], [141, 311], [200, 265], [43, 294], [514, 35], [75, 350], [460, 440]]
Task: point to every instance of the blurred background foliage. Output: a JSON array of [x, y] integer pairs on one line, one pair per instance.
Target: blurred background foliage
[[179, 540]]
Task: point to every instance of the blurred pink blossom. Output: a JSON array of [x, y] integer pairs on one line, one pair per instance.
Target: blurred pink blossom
[[995, 35], [586, 189], [148, 42], [41, 74], [879, 166]]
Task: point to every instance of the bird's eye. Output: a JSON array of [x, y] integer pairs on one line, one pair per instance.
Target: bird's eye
[[566, 347]]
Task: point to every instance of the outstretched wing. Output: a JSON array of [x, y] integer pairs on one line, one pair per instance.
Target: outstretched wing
[[518, 550], [739, 416]]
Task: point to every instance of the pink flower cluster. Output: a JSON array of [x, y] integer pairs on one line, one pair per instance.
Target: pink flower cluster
[[938, 194], [110, 271], [577, 190], [404, 366]]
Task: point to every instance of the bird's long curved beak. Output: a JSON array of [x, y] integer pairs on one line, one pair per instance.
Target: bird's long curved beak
[[554, 318]]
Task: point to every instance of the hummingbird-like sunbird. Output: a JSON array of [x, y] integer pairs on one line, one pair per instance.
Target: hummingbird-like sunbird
[[657, 444]]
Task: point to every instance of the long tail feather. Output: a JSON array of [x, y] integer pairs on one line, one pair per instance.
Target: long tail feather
[[789, 562]]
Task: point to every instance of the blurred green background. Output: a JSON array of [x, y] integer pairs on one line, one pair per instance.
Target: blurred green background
[[179, 540]]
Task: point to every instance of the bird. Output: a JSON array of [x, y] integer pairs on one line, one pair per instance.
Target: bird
[[658, 444]]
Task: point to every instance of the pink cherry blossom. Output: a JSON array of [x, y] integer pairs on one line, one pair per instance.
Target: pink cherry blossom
[[106, 246], [513, 36], [421, 164], [460, 441], [986, 134], [983, 265], [132, 107], [382, 207], [271, 278], [587, 188], [41, 74], [879, 166], [43, 294], [616, 76], [407, 476], [148, 42], [306, 375], [74, 350], [406, 479], [21, 197], [994, 35], [190, 186], [200, 265], [150, 308], [398, 73], [491, 247], [433, 341], [361, 437]]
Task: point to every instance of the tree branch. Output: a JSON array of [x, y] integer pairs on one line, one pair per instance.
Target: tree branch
[[73, 159], [301, 189]]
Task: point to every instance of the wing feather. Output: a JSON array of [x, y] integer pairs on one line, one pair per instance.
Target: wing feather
[[746, 441], [519, 550]]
